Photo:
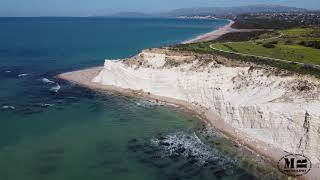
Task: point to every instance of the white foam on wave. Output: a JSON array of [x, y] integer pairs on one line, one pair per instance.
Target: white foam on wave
[[8, 107], [192, 145], [209, 131], [7, 71], [55, 88], [47, 81], [46, 105], [189, 146], [149, 103], [23, 75]]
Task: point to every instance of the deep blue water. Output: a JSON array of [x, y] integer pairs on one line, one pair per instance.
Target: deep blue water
[[76, 133], [58, 43], [45, 47]]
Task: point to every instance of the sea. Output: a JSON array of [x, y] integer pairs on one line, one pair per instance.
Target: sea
[[51, 129]]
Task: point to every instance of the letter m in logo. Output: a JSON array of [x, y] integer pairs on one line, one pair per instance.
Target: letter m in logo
[[289, 163]]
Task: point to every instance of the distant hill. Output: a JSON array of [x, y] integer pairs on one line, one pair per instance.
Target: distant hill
[[213, 11], [232, 10], [131, 14], [127, 14]]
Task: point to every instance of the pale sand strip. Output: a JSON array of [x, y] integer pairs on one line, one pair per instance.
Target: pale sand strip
[[84, 78], [213, 34]]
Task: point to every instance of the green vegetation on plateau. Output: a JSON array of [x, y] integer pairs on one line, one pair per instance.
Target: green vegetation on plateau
[[297, 45]]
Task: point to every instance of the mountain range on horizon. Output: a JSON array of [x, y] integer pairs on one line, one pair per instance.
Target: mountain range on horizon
[[217, 11], [234, 10]]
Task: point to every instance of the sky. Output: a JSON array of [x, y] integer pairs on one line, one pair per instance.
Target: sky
[[98, 7]]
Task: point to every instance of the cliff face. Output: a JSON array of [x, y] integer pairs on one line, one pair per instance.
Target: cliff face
[[279, 109]]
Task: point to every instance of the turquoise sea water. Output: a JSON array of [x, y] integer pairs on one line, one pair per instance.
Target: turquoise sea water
[[57, 130]]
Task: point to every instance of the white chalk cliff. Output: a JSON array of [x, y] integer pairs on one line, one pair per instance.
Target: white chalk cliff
[[278, 109]]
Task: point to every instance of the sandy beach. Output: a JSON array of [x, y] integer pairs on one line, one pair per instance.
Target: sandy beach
[[213, 34]]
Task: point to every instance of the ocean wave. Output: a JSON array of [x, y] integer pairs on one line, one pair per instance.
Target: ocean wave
[[55, 88], [207, 131], [145, 103], [7, 71], [149, 103], [47, 81], [46, 105], [190, 146], [23, 75], [8, 107]]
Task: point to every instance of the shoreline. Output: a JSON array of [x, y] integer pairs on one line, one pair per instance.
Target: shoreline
[[268, 152], [212, 35], [271, 154]]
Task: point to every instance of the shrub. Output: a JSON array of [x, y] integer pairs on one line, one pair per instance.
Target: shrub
[[269, 45], [274, 42], [289, 42], [312, 44]]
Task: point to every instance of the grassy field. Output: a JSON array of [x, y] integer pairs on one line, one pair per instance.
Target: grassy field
[[292, 45], [287, 47]]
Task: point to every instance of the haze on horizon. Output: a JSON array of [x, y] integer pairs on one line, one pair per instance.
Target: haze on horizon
[[24, 8]]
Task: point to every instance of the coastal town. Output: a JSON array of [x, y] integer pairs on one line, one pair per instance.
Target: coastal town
[[294, 19], [309, 18], [299, 18]]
